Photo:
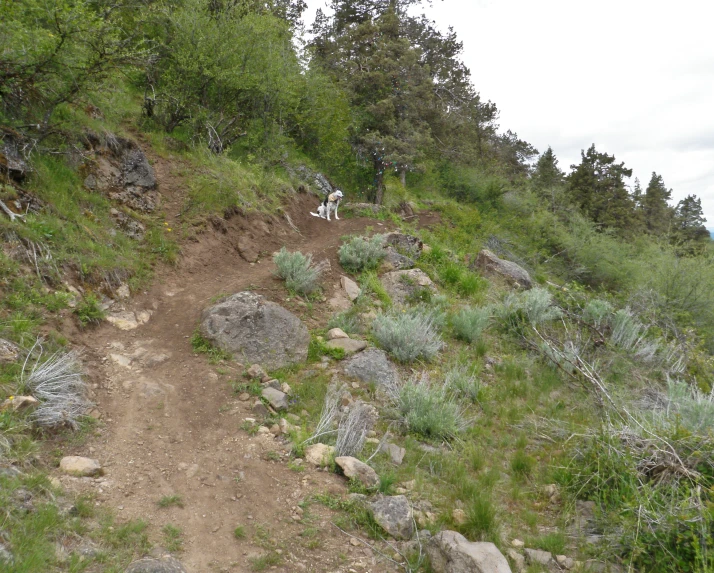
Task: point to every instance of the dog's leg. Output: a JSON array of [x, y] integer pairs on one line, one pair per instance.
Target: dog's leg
[[336, 206], [327, 209]]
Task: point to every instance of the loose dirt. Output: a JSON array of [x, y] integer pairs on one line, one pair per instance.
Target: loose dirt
[[171, 425]]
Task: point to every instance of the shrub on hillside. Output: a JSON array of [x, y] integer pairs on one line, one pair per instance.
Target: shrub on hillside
[[461, 381], [534, 307], [408, 335], [429, 411], [300, 275], [470, 322], [652, 472], [362, 254]]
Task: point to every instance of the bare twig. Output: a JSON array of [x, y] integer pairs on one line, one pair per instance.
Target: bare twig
[[10, 214]]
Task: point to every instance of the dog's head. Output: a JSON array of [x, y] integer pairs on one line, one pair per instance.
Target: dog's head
[[339, 194]]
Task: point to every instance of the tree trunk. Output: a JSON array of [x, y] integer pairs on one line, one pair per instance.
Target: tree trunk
[[403, 176], [380, 188]]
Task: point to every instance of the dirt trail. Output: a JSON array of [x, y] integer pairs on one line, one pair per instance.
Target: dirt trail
[[171, 424]]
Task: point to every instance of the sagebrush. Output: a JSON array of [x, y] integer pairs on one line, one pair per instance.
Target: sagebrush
[[408, 335], [297, 270], [361, 253]]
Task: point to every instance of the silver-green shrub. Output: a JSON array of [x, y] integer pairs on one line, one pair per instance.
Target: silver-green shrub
[[297, 270], [362, 254], [597, 313], [408, 335], [430, 411], [462, 381], [470, 322]]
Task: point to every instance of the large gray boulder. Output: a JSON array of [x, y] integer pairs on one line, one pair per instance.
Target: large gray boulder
[[165, 564], [137, 171], [451, 552], [490, 264], [402, 284], [372, 365], [394, 514], [256, 330]]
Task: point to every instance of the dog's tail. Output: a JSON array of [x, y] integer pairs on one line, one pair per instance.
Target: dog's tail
[[314, 214]]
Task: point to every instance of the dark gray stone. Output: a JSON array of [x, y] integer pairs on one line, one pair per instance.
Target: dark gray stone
[[405, 244], [276, 398], [136, 170], [398, 261], [256, 331], [372, 365]]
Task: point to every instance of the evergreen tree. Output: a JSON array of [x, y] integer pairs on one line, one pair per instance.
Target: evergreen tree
[[547, 174], [597, 187], [689, 220], [657, 213]]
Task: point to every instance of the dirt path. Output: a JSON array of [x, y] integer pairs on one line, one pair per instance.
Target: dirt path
[[171, 423]]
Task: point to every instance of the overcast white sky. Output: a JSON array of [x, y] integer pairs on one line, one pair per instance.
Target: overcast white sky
[[635, 77]]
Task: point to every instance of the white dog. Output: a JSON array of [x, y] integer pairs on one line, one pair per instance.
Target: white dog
[[330, 204]]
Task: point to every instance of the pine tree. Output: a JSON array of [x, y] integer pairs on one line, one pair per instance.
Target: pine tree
[[598, 188], [657, 213], [547, 174], [689, 220]]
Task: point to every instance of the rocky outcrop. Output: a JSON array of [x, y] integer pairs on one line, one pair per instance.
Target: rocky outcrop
[[372, 365], [256, 330], [394, 514], [451, 552], [396, 261], [400, 285], [408, 245], [122, 170], [489, 264]]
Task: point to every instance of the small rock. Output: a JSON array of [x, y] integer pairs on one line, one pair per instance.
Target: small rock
[[255, 371], [80, 467], [121, 360], [451, 552], [537, 556], [293, 418], [263, 430], [459, 516], [349, 345], [519, 562], [551, 490], [9, 352], [273, 383], [395, 453], [354, 542], [275, 430], [285, 426], [318, 454], [165, 564], [565, 562], [19, 403], [517, 543], [244, 396], [275, 398], [336, 333], [350, 287], [355, 469], [285, 388], [123, 291], [394, 515], [260, 410]]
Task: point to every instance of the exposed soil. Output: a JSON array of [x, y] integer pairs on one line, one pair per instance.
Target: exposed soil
[[170, 423]]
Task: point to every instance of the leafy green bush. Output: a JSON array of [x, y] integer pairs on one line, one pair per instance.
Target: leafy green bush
[[297, 270], [408, 335], [362, 254], [470, 322], [89, 311], [429, 411]]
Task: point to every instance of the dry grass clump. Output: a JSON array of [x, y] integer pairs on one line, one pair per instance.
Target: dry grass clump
[[59, 385]]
